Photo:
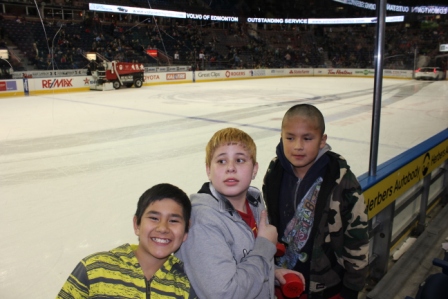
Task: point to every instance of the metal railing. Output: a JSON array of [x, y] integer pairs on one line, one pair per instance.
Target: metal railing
[[393, 219]]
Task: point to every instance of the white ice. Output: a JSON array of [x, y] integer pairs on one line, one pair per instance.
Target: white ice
[[72, 166]]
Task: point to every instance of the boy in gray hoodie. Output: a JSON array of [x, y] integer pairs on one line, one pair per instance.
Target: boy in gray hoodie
[[230, 248]]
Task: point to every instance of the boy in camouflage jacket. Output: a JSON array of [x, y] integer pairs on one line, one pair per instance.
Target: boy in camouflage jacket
[[317, 205]]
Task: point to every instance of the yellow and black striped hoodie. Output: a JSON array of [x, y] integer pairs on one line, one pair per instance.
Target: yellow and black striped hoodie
[[117, 274]]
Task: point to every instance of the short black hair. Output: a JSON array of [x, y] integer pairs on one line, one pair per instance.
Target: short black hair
[[160, 192], [306, 110]]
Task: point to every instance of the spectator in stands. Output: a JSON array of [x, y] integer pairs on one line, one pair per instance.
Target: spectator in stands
[[288, 59], [112, 27], [212, 62], [2, 32]]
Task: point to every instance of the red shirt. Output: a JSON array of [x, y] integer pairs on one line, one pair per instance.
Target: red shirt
[[249, 219]]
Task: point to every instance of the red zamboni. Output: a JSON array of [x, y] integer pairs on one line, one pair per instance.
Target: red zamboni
[[119, 73]]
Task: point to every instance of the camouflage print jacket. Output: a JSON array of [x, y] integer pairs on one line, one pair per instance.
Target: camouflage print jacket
[[341, 242]]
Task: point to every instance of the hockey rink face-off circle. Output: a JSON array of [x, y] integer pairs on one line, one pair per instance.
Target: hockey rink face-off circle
[[74, 165]]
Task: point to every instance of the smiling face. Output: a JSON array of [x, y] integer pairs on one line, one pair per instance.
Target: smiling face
[[161, 231], [302, 139], [231, 170]]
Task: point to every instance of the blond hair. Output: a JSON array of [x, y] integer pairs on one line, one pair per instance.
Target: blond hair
[[230, 136]]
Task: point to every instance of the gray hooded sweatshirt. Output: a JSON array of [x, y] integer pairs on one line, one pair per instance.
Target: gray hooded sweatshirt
[[221, 256]]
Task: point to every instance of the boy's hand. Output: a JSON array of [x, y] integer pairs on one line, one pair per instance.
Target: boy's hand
[[266, 230], [279, 273]]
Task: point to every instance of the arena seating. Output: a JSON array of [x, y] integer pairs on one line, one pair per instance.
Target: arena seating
[[229, 45]]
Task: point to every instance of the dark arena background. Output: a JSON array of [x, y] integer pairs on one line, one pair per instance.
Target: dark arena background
[[56, 34], [101, 100]]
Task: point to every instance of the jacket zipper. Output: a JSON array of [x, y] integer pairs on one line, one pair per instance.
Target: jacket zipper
[[295, 193], [148, 288]]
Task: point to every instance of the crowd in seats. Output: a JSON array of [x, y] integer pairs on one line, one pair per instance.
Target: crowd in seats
[[62, 45]]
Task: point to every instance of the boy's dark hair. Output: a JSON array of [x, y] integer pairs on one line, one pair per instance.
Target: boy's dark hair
[[308, 111], [160, 192]]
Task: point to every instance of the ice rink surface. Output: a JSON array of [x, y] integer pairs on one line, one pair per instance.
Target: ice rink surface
[[72, 166]]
